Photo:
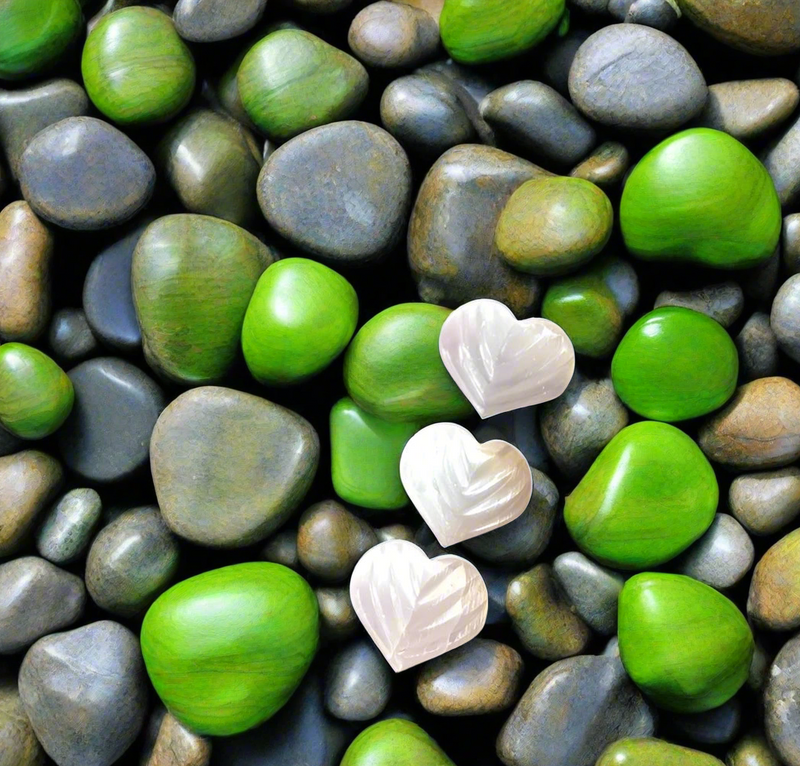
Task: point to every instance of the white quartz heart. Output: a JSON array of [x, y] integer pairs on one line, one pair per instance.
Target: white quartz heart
[[460, 487], [501, 364], [415, 608]]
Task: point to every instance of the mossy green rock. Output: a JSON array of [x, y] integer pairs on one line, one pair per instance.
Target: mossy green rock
[[226, 649], [647, 497], [653, 752], [479, 31], [395, 742], [292, 81], [36, 395], [193, 277], [683, 643], [701, 196], [675, 364], [301, 317], [365, 457], [136, 68], [393, 368], [35, 34]]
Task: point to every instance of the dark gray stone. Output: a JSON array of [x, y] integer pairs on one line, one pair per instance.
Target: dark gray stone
[[713, 727], [723, 302], [85, 692], [790, 243], [782, 160], [658, 14], [8, 443], [785, 317], [358, 684], [560, 53], [497, 582], [282, 549], [520, 428], [68, 527], [206, 21], [337, 618], [70, 336], [758, 348], [782, 704]]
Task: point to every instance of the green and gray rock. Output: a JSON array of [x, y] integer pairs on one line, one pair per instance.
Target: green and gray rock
[[69, 525]]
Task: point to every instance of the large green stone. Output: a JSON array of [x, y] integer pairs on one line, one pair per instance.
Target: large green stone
[[675, 364], [36, 395], [193, 277], [653, 752], [394, 742], [292, 81], [35, 34], [683, 643], [648, 496], [393, 368], [701, 196], [226, 649], [479, 31], [301, 317], [365, 457]]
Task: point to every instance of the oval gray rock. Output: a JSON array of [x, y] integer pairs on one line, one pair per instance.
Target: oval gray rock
[[782, 160], [782, 704], [757, 347], [766, 502], [785, 317], [70, 337], [790, 243], [18, 743], [82, 173], [206, 21], [722, 302], [68, 526], [358, 684], [659, 14], [282, 549], [718, 726]]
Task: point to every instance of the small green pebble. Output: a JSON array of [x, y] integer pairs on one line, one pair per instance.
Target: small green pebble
[[394, 742], [36, 396], [653, 752]]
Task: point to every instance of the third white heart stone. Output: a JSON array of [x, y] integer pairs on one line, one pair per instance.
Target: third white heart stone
[[502, 364], [461, 488]]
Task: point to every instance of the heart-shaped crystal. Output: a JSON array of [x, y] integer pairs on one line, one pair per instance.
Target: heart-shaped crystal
[[415, 608], [460, 487], [502, 364]]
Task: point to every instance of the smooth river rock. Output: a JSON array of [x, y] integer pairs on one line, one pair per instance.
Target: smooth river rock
[[358, 682], [175, 745], [206, 21], [785, 317], [782, 706], [774, 599], [782, 160], [70, 337], [757, 345], [766, 502], [18, 743], [752, 750], [722, 302], [69, 525], [605, 166]]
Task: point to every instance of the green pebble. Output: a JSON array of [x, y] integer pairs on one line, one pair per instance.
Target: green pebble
[[292, 81], [394, 742], [226, 649], [393, 369], [683, 643], [586, 307], [551, 226], [653, 752], [675, 364], [301, 317], [646, 498], [701, 196], [36, 395], [365, 457], [136, 68], [35, 34], [480, 31]]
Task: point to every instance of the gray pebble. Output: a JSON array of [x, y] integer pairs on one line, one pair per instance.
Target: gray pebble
[[560, 53], [658, 14], [758, 348], [540, 121], [785, 317], [593, 590], [70, 336], [721, 557], [337, 618], [358, 684], [713, 727], [790, 243], [632, 76], [782, 704], [611, 649], [282, 549], [759, 667], [520, 428], [205, 21], [722, 302], [69, 525], [592, 6], [618, 9], [782, 160], [497, 582], [8, 443], [466, 77], [85, 692], [761, 282], [36, 598], [764, 503]]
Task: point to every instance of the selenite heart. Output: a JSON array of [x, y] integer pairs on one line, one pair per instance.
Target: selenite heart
[[415, 608], [461, 488], [501, 364]]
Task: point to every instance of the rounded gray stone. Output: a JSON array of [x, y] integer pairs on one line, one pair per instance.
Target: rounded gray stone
[[358, 684], [18, 743], [282, 549], [721, 557], [69, 525], [757, 347], [782, 703], [782, 161], [206, 21], [85, 692], [36, 598], [70, 336], [718, 726], [9, 443], [560, 53], [767, 502], [635, 77], [722, 302], [790, 243], [593, 590], [658, 14], [785, 317]]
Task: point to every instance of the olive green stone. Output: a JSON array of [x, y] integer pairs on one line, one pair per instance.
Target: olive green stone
[[193, 277], [365, 457], [649, 495], [592, 306], [479, 31], [36, 395], [292, 81], [35, 34], [226, 649], [393, 369], [683, 643], [551, 226], [653, 752], [301, 317], [136, 69], [18, 743], [701, 196], [394, 742], [752, 750], [675, 364]]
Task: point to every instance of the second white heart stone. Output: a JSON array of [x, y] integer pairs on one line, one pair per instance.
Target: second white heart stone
[[461, 488], [501, 364], [415, 608]]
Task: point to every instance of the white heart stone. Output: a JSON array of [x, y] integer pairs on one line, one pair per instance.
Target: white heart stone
[[415, 608], [460, 487], [501, 364]]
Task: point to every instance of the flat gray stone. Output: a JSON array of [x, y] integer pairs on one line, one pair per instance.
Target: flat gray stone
[[68, 526], [358, 682], [757, 347], [764, 503], [785, 317], [658, 14], [70, 337], [782, 704], [782, 160], [722, 302], [718, 726], [206, 21]]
